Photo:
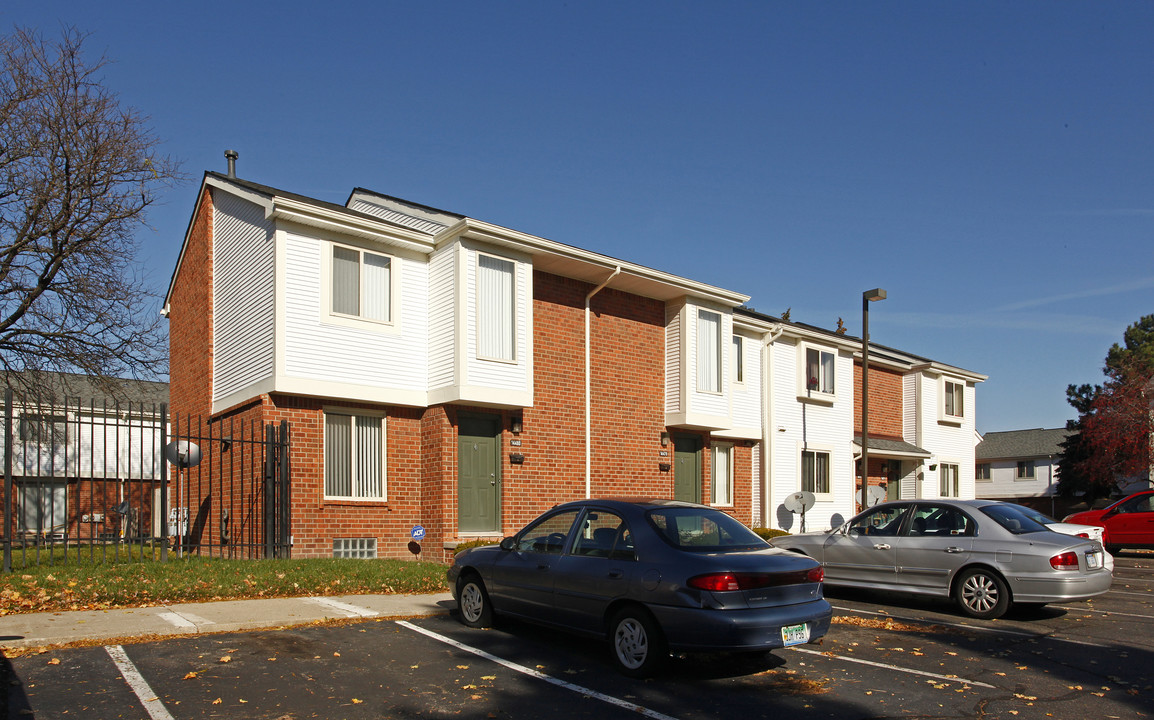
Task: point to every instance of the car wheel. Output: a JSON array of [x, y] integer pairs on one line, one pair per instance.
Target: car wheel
[[473, 602], [982, 593], [638, 646]]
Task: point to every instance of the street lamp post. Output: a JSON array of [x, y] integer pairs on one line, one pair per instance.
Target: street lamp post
[[866, 298]]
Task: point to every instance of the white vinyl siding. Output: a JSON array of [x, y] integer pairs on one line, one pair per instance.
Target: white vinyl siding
[[243, 297], [674, 359], [496, 308], [354, 457], [708, 351], [332, 349], [442, 317]]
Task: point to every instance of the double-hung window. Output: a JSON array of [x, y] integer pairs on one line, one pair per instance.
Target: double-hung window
[[708, 351], [953, 403], [1025, 469], [948, 476], [819, 375], [815, 471], [496, 308], [361, 284], [982, 472], [354, 456], [722, 473]]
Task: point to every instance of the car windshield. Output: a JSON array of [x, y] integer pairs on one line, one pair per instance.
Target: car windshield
[[703, 530], [1012, 518]]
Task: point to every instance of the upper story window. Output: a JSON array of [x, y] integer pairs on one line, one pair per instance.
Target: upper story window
[[361, 284], [708, 351], [953, 400], [818, 371], [982, 472], [1025, 469], [496, 308], [738, 359]]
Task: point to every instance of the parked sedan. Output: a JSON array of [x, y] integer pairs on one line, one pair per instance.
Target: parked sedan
[[983, 554], [1128, 523], [651, 576]]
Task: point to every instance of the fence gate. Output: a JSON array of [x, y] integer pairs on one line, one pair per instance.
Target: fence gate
[[89, 480]]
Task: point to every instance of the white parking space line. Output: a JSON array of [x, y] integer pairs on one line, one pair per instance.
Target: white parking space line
[[540, 675], [185, 621], [976, 628], [1147, 594], [347, 609], [1121, 614], [139, 685], [887, 666]]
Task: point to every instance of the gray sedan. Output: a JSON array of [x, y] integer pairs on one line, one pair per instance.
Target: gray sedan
[[984, 554], [651, 576]]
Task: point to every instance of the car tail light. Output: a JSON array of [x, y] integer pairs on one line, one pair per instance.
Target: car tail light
[[729, 582], [1065, 561], [1084, 535]]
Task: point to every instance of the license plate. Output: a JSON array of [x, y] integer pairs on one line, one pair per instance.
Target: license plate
[[795, 634], [1094, 560]]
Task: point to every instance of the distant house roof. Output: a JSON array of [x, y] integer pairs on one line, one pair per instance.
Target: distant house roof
[[1021, 444], [52, 388]]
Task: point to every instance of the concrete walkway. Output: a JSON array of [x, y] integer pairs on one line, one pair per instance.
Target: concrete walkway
[[61, 628]]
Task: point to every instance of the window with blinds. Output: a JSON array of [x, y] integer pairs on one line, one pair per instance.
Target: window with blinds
[[496, 308], [354, 457]]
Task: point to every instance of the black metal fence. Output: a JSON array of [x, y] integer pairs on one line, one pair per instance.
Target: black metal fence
[[109, 480]]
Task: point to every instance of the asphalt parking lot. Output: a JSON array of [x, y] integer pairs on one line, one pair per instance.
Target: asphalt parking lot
[[885, 656]]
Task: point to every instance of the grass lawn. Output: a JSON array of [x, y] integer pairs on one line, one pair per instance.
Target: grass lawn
[[93, 585]]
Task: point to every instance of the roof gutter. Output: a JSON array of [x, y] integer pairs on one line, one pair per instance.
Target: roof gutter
[[588, 391]]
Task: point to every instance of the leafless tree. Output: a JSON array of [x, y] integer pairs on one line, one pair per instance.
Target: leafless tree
[[77, 172]]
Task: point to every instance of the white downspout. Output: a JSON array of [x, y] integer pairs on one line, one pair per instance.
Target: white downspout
[[767, 422], [588, 392]]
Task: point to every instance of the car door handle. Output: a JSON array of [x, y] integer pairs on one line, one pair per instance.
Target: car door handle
[[615, 574], [953, 549], [881, 546], [542, 566]]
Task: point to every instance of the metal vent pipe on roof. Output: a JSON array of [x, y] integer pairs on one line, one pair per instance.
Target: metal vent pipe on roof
[[232, 155]]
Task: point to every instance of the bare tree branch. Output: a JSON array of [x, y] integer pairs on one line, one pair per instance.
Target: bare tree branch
[[78, 172]]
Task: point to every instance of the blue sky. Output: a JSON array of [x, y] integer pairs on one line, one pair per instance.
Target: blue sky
[[989, 164]]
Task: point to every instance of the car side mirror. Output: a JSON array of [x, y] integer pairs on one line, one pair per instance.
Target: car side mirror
[[508, 543]]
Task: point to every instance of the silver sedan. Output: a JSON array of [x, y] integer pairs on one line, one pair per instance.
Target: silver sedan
[[984, 554]]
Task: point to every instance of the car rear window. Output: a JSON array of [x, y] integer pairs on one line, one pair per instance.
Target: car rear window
[[1013, 519], [703, 530]]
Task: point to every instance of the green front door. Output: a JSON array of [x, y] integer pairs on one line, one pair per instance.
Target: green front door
[[478, 483], [687, 469]]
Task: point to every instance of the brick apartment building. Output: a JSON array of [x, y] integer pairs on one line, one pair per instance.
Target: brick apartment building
[[443, 372]]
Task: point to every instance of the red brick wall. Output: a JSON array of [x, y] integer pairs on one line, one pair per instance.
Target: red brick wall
[[885, 402], [190, 320]]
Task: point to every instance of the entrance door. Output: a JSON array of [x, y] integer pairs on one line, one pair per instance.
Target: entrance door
[[687, 469], [478, 484]]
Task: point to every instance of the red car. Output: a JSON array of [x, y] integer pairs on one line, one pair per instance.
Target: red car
[[1128, 523]]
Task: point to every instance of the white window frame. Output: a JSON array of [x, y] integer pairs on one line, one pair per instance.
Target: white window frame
[[505, 349], [357, 417], [1030, 465], [959, 415], [827, 375], [707, 381], [724, 498], [802, 450], [329, 314], [944, 490], [738, 346]]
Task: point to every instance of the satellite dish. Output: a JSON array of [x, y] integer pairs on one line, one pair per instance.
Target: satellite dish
[[799, 502], [874, 495], [182, 453]]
